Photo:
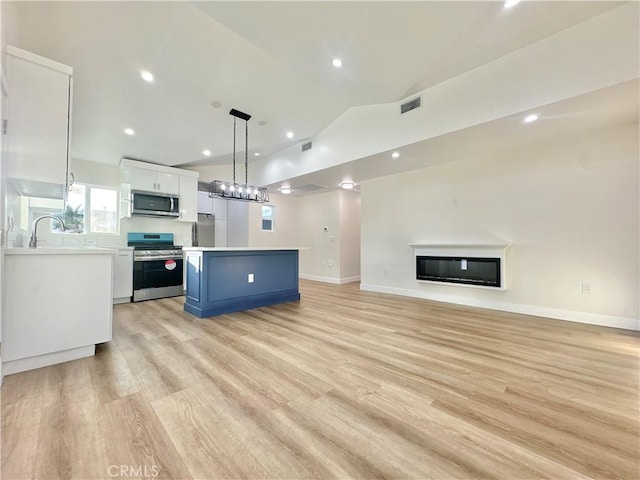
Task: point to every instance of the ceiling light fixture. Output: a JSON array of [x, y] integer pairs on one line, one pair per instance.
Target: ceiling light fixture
[[129, 131], [347, 185], [233, 190], [147, 76], [206, 153], [289, 134], [257, 154], [531, 118], [285, 190], [511, 3], [337, 62], [395, 155]]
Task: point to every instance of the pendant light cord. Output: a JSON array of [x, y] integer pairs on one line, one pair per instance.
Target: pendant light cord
[[234, 151], [246, 154]]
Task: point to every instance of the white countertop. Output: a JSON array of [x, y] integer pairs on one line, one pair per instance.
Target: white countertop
[[62, 250], [237, 249]]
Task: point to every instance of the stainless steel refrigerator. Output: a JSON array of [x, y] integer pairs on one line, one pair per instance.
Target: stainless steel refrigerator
[[203, 233]]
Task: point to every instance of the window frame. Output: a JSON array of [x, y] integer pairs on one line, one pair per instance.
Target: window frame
[[272, 218], [87, 211]]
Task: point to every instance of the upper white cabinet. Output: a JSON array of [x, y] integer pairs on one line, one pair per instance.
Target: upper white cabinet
[[149, 177], [212, 206], [39, 123], [205, 205], [219, 208], [153, 181], [188, 198]]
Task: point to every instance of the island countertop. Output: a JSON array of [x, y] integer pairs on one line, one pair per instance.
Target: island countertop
[[62, 250]]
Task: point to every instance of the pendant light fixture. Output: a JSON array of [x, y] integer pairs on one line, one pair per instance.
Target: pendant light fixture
[[234, 190]]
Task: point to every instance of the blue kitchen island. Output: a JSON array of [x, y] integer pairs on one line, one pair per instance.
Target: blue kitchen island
[[232, 279]]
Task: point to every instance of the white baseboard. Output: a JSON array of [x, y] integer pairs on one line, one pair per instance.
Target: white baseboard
[[556, 313], [335, 281], [31, 363]]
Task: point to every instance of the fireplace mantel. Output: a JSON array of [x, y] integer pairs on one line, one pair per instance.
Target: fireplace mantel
[[465, 250]]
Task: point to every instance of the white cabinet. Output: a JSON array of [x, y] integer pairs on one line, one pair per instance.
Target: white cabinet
[[212, 206], [148, 177], [123, 276], [220, 208], [188, 199], [220, 235], [39, 123], [205, 205], [237, 224], [153, 181], [58, 305]]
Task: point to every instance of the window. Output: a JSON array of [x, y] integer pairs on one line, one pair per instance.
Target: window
[[89, 209], [268, 213]]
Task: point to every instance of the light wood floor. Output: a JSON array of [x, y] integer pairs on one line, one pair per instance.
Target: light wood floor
[[343, 384]]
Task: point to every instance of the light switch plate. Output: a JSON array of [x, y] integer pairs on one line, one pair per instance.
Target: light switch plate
[[250, 278]]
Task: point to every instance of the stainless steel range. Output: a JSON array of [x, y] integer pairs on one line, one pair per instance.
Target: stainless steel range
[[158, 266]]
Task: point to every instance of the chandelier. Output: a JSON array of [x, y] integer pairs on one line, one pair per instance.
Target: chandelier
[[234, 190]]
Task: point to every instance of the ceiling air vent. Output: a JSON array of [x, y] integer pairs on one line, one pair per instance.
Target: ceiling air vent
[[308, 188], [410, 105], [306, 146]]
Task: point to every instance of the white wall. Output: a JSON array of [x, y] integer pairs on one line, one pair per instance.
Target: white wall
[[349, 236], [329, 232], [570, 209], [321, 258], [285, 224]]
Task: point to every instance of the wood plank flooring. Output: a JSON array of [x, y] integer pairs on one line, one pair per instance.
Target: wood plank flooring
[[343, 384]]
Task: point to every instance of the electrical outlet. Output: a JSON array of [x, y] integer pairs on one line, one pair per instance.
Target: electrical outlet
[[586, 288], [250, 278]]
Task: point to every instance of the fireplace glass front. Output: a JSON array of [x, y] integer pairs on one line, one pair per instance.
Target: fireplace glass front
[[471, 271]]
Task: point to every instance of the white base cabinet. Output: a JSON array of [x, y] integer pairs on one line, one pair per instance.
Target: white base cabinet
[[123, 276], [58, 306]]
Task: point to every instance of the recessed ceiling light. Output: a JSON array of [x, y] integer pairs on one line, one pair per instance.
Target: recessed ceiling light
[[285, 190], [129, 131], [262, 123], [147, 76], [511, 3], [257, 154], [216, 104], [337, 62], [395, 155], [530, 118], [206, 153], [289, 134], [347, 185]]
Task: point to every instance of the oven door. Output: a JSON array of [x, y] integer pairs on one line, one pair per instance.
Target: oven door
[[165, 273]]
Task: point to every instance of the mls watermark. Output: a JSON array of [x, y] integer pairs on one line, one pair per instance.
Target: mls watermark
[[133, 471]]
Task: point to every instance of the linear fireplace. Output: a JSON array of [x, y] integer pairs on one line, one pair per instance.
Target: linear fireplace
[[470, 271], [462, 264]]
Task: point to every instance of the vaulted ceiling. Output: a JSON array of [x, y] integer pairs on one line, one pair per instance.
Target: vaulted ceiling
[[272, 60]]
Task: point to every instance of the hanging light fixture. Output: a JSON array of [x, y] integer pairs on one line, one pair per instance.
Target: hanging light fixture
[[234, 190]]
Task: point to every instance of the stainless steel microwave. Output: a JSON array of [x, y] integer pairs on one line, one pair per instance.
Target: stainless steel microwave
[[154, 204]]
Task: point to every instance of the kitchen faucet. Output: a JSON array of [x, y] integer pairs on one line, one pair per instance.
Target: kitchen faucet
[[33, 242]]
